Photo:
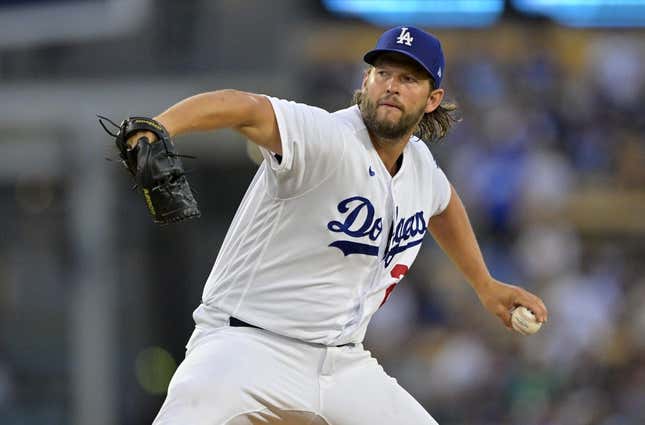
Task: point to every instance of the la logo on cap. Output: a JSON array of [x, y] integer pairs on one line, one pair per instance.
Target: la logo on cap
[[405, 37]]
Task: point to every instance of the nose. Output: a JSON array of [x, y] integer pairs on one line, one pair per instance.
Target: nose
[[392, 86]]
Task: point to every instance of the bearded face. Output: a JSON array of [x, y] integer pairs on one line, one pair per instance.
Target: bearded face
[[387, 118], [396, 92]]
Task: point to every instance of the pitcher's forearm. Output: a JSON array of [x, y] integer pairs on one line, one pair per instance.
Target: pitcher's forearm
[[247, 113], [454, 234], [205, 112]]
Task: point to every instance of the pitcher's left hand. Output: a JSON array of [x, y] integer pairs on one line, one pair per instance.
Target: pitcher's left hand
[[501, 298]]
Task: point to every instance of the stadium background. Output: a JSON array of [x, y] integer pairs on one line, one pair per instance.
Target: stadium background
[[96, 301]]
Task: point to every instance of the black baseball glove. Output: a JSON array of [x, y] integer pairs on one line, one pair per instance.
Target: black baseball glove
[[156, 168]]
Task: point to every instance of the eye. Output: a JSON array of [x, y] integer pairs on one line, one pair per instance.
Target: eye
[[409, 79], [381, 73]]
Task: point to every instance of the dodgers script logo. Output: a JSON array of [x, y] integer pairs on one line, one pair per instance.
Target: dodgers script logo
[[359, 222]]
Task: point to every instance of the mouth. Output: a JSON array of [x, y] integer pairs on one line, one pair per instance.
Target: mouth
[[390, 105]]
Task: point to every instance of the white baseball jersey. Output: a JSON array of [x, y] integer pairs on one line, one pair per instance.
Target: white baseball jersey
[[323, 234]]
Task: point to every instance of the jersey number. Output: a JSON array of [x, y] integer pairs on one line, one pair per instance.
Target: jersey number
[[397, 273]]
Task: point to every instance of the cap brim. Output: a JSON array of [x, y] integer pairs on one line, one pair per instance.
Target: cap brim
[[371, 56]]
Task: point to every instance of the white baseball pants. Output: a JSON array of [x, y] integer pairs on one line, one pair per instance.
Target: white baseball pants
[[245, 376]]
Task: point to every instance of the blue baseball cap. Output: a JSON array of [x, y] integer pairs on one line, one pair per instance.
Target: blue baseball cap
[[415, 43]]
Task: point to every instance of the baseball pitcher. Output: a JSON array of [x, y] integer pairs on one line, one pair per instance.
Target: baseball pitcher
[[331, 223]]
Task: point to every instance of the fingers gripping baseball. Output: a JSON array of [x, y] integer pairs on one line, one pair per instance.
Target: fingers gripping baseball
[[535, 304], [502, 299]]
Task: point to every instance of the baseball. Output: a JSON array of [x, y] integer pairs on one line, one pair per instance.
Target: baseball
[[524, 321]]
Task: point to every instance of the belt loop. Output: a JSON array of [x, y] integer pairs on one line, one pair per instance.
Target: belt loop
[[327, 366], [329, 361]]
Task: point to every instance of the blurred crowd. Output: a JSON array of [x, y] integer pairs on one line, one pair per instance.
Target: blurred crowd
[[537, 134]]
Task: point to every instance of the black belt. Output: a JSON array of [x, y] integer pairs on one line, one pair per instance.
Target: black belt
[[237, 323]]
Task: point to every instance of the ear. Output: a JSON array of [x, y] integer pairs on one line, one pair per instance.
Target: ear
[[434, 100], [366, 75]]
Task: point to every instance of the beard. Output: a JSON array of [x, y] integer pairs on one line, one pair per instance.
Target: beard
[[385, 129]]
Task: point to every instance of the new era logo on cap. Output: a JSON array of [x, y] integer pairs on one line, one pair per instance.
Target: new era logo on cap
[[415, 43]]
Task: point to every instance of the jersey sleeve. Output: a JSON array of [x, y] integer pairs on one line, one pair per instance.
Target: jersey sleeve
[[441, 190], [312, 147]]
